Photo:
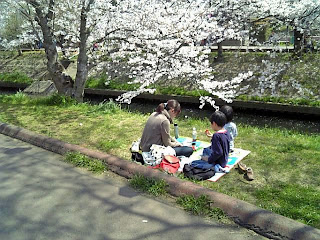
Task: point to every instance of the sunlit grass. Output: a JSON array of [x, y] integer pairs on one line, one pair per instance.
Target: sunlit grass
[[290, 101], [80, 160], [15, 77], [285, 163], [202, 206], [149, 185]]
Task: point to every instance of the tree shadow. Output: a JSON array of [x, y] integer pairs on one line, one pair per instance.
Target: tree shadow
[[44, 198]]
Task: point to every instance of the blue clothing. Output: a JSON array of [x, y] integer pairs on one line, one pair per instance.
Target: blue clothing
[[183, 151], [201, 164], [220, 146], [232, 129]]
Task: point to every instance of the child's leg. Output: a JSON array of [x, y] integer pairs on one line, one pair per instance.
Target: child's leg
[[207, 151], [183, 151]]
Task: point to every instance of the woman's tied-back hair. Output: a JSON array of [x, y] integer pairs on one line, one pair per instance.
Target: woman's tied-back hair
[[169, 104], [228, 111], [219, 118]]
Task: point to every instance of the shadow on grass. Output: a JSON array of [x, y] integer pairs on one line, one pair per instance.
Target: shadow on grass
[[50, 199], [290, 199]]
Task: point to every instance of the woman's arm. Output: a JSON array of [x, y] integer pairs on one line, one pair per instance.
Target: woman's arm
[[165, 135]]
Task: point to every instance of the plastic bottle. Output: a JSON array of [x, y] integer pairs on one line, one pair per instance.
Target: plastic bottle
[[194, 134], [194, 147], [176, 130]]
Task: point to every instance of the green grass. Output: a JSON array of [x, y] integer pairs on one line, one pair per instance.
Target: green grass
[[290, 101], [56, 100], [107, 107], [17, 98], [201, 206], [97, 82], [149, 185], [80, 160], [285, 162], [103, 82], [292, 200], [15, 77], [180, 91]]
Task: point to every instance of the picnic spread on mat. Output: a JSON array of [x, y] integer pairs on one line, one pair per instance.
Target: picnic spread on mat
[[234, 158], [163, 158]]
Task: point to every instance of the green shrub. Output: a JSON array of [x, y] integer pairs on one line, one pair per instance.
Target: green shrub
[[106, 107], [15, 77], [97, 82], [114, 84], [56, 100], [180, 91], [17, 98], [291, 101]]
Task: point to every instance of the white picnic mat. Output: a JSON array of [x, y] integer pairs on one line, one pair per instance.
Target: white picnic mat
[[234, 157]]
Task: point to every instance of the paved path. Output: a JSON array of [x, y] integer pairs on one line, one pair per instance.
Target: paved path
[[44, 198]]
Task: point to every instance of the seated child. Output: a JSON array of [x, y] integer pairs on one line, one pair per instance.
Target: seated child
[[230, 126], [220, 141]]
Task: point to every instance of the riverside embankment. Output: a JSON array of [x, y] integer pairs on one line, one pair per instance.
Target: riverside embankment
[[300, 118]]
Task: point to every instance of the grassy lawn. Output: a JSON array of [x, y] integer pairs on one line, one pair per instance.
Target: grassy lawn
[[285, 163], [15, 77]]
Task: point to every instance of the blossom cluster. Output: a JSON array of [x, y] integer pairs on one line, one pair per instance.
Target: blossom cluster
[[161, 39]]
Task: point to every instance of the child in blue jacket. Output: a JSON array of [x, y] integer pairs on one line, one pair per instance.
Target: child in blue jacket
[[220, 141], [230, 126]]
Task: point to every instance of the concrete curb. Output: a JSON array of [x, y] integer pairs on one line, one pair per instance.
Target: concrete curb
[[261, 221]]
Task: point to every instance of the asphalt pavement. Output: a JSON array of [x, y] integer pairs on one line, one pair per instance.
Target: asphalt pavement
[[42, 197]]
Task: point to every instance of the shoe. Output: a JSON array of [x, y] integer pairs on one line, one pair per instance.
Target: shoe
[[249, 174], [242, 167]]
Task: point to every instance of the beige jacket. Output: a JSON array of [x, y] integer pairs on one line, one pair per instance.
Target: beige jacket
[[157, 131]]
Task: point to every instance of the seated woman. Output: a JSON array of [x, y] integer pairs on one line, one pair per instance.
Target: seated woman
[[157, 129]]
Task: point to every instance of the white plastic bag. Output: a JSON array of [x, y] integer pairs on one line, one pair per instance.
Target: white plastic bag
[[155, 156], [149, 159], [158, 151], [135, 146]]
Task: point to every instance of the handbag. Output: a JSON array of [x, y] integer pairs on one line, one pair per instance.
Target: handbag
[[198, 171], [170, 164]]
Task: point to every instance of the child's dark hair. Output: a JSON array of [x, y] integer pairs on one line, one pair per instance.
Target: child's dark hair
[[170, 104], [228, 111], [219, 118]]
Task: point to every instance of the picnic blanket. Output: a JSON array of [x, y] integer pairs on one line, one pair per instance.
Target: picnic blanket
[[236, 156]]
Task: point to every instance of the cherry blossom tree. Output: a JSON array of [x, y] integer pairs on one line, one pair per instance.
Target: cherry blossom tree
[[301, 15], [47, 20], [159, 39], [163, 43]]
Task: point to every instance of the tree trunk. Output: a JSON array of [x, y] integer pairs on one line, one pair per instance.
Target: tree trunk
[[62, 81], [298, 42], [82, 65], [219, 58], [220, 50]]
